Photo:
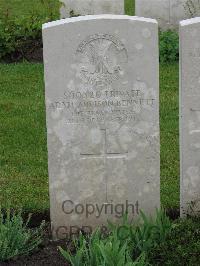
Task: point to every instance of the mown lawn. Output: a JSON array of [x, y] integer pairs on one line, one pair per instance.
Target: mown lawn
[[23, 153]]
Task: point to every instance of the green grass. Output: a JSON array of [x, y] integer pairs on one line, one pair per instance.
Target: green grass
[[169, 125], [19, 8], [23, 153], [129, 7], [27, 7]]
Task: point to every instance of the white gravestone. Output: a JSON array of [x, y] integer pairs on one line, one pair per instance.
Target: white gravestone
[[157, 9], [190, 115], [102, 107], [168, 12], [91, 7]]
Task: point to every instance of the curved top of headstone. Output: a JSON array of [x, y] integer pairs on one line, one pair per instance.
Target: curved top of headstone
[[190, 21], [96, 17]]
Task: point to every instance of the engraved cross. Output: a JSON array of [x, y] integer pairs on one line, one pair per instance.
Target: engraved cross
[[105, 156], [194, 110]]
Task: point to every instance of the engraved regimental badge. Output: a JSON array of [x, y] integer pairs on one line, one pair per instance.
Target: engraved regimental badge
[[101, 58]]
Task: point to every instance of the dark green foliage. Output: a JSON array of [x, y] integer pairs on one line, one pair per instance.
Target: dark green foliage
[[169, 46], [156, 242], [95, 250], [182, 246], [126, 244], [151, 232], [19, 35], [15, 238]]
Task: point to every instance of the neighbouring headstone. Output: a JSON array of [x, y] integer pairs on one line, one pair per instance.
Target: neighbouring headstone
[[102, 107], [157, 9], [190, 115], [168, 12], [72, 8]]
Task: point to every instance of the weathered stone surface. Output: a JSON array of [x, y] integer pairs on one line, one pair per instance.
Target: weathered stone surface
[[91, 7], [157, 9], [168, 12], [178, 12], [190, 115], [102, 104]]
